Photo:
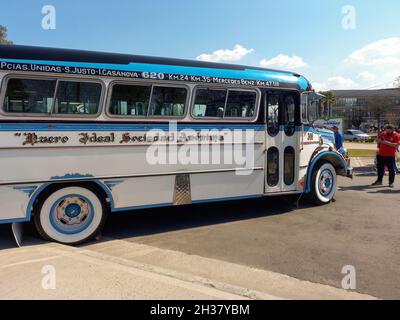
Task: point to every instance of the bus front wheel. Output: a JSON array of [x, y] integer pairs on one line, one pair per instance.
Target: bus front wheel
[[70, 215], [323, 184]]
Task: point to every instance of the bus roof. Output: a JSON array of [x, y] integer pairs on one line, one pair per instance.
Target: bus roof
[[128, 62]]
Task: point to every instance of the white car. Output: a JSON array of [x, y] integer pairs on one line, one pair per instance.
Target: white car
[[356, 135]]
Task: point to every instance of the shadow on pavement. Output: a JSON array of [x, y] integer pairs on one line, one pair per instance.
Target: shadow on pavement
[[6, 237], [160, 220], [386, 191], [357, 187], [7, 240], [365, 171], [152, 221]]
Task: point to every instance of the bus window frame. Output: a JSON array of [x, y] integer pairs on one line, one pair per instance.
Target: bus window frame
[[4, 85], [151, 84], [226, 119]]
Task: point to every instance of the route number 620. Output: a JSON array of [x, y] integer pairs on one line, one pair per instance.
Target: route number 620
[[153, 75]]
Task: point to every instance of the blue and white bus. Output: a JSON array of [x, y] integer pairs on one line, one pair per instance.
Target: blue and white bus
[[87, 134]]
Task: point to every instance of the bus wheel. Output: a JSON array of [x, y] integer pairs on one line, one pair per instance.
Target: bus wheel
[[70, 215], [323, 184]]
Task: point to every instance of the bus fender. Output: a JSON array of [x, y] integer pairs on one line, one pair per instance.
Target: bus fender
[[333, 157]]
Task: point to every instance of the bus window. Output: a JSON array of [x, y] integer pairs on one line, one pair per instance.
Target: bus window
[[313, 111], [29, 96], [289, 115], [289, 163], [273, 115], [132, 100], [168, 101], [240, 104], [209, 103], [77, 97], [273, 166]]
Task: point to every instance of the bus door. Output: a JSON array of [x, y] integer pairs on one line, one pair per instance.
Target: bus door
[[281, 141]]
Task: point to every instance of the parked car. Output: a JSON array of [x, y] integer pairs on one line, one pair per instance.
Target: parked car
[[356, 135]]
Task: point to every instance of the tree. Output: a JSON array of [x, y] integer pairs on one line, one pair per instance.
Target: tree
[[380, 108], [397, 82], [329, 100], [3, 35]]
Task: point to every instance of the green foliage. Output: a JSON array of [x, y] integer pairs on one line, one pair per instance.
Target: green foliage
[[397, 82], [329, 98], [3, 35]]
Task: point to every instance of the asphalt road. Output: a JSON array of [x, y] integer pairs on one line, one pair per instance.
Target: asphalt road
[[361, 228], [310, 243]]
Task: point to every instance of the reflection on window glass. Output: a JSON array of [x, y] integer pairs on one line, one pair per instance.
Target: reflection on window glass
[[130, 100], [273, 115], [209, 103], [304, 108], [240, 104], [273, 166], [313, 111], [29, 95], [289, 166], [289, 115], [168, 101], [77, 97]]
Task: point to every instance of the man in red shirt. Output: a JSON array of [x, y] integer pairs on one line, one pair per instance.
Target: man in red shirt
[[388, 143]]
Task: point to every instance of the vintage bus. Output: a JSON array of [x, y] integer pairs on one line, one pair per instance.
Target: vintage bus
[[85, 134]]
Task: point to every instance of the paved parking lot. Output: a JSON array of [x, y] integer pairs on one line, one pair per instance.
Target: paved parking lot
[[312, 244]]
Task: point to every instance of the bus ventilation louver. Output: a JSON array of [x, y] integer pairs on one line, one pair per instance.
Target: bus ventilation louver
[[182, 192]]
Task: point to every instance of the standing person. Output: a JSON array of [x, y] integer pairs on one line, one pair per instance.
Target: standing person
[[396, 165], [339, 140], [388, 143]]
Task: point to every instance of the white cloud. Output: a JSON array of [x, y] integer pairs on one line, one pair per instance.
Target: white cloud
[[282, 61], [317, 86], [335, 83], [366, 76], [236, 54], [379, 53]]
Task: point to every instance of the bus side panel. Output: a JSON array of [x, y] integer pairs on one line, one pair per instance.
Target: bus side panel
[[226, 185], [136, 193], [140, 191], [37, 164], [14, 201]]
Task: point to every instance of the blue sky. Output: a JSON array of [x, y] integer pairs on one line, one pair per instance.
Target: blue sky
[[305, 36]]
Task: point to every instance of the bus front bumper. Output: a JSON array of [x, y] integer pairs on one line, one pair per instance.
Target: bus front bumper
[[349, 172]]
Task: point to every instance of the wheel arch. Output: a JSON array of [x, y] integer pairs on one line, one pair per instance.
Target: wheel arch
[[334, 158], [46, 189]]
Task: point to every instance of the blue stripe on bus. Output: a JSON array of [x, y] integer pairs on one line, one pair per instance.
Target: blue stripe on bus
[[248, 74], [169, 204], [122, 127], [14, 220], [254, 196]]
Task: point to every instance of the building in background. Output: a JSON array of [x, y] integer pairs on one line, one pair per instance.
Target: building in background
[[365, 109]]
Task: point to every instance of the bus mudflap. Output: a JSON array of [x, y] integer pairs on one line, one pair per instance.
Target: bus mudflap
[[18, 232]]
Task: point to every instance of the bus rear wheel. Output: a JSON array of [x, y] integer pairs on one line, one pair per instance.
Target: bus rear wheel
[[70, 215], [323, 184]]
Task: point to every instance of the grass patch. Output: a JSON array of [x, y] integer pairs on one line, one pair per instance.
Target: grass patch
[[361, 153]]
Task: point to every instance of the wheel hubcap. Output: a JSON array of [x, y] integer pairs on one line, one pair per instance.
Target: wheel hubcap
[[326, 182], [73, 210], [71, 214]]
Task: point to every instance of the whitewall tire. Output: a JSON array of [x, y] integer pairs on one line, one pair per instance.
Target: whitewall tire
[[323, 184], [70, 215]]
